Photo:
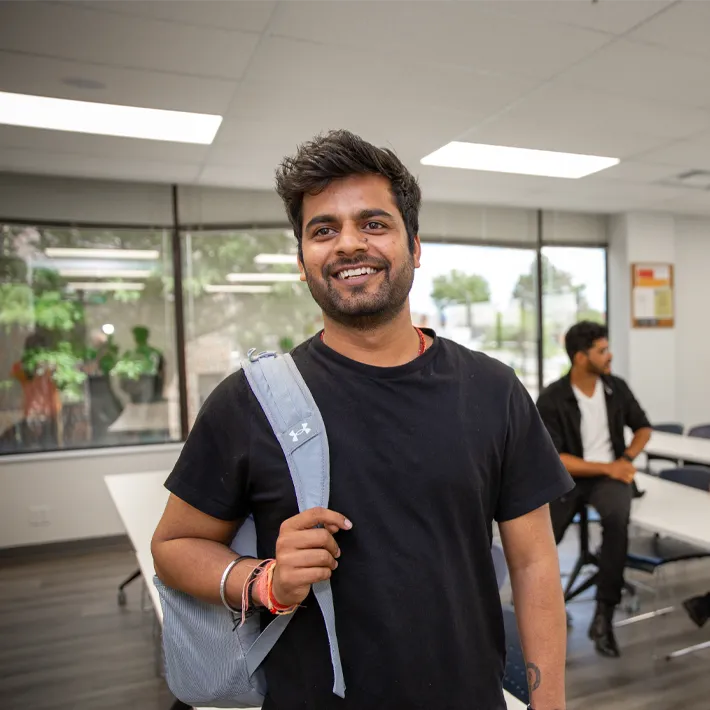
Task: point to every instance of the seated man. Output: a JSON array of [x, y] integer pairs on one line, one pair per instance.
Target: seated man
[[698, 609], [586, 412]]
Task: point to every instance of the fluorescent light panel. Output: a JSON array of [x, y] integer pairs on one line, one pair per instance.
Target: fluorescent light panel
[[236, 288], [107, 119], [102, 273], [105, 286], [520, 161], [134, 254], [262, 278], [275, 259]]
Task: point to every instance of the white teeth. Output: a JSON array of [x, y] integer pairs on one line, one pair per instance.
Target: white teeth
[[350, 273]]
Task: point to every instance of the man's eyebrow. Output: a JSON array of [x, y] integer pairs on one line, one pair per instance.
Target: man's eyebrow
[[368, 214], [363, 214], [321, 219]]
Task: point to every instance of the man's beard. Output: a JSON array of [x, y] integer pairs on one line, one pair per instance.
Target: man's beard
[[361, 309], [594, 370]]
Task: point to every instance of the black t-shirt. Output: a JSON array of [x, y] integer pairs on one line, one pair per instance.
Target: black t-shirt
[[423, 457]]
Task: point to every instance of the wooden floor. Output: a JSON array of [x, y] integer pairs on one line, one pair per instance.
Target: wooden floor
[[66, 645]]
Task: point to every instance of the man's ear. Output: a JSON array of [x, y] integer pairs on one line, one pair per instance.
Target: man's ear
[[417, 252], [301, 269]]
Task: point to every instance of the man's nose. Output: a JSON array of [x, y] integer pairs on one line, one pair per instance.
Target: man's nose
[[351, 240]]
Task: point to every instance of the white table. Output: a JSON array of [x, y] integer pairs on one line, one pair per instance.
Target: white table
[[675, 510], [140, 499], [672, 509], [676, 446]]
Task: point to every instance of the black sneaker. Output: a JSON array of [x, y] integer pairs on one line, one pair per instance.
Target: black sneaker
[[698, 610]]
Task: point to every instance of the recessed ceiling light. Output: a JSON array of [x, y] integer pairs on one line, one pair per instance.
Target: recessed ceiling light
[[71, 253], [106, 286], [262, 278], [520, 161], [89, 273], [107, 119], [236, 288], [275, 259]]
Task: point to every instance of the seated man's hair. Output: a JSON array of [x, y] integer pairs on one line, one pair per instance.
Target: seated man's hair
[[581, 337]]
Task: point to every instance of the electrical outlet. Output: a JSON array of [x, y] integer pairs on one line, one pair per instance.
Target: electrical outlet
[[39, 515]]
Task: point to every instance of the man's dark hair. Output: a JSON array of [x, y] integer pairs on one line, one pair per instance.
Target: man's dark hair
[[340, 154], [581, 337]]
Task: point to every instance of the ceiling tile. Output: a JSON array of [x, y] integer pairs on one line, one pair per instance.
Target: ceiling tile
[[84, 34], [690, 154], [637, 172], [520, 131], [106, 147], [685, 27], [587, 111], [283, 71], [644, 71], [44, 76], [462, 34], [88, 166], [613, 16], [245, 15]]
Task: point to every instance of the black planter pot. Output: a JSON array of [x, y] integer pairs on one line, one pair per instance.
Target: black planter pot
[[147, 388], [105, 406]]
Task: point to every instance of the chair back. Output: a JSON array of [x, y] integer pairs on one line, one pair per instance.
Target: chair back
[[669, 428], [693, 476], [702, 431]]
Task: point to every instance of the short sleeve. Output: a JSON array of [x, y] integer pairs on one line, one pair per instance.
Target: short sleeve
[[532, 472], [211, 473]]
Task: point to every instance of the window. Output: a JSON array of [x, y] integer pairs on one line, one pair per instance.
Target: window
[[483, 297], [573, 289], [242, 290], [86, 338]]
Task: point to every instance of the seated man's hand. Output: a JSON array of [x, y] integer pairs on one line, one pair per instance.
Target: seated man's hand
[[621, 470]]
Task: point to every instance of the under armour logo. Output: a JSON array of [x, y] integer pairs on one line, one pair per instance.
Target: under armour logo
[[305, 429]]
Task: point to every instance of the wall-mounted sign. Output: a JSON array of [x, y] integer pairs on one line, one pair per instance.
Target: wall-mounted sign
[[652, 304]]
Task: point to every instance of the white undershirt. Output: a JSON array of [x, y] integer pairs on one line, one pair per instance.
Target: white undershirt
[[596, 440]]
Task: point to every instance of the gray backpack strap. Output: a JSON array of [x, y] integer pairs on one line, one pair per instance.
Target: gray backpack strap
[[299, 428]]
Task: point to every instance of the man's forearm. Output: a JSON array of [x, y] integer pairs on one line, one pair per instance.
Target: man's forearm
[[196, 567], [638, 443], [581, 468], [540, 611]]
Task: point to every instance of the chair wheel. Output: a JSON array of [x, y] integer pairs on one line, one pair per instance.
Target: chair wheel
[[121, 598]]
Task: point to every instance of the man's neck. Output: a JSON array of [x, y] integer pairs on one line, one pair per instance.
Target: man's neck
[[584, 381], [389, 345]]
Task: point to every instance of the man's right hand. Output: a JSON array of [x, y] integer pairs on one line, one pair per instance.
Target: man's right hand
[[306, 553], [621, 470]]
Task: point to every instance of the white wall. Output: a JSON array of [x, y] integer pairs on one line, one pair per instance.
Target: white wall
[[666, 367], [693, 320], [70, 486]]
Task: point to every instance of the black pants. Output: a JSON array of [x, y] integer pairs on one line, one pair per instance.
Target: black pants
[[612, 500]]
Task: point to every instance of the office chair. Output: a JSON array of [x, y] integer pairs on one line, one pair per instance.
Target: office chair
[[515, 679], [586, 557], [702, 431], [124, 584], [668, 428], [671, 428], [650, 554]]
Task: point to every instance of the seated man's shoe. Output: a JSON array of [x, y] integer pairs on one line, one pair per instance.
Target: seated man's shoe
[[602, 632], [698, 609]]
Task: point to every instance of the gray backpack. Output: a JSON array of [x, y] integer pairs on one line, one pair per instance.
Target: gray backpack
[[209, 659]]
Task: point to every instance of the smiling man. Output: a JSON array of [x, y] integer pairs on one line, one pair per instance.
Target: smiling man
[[429, 444]]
